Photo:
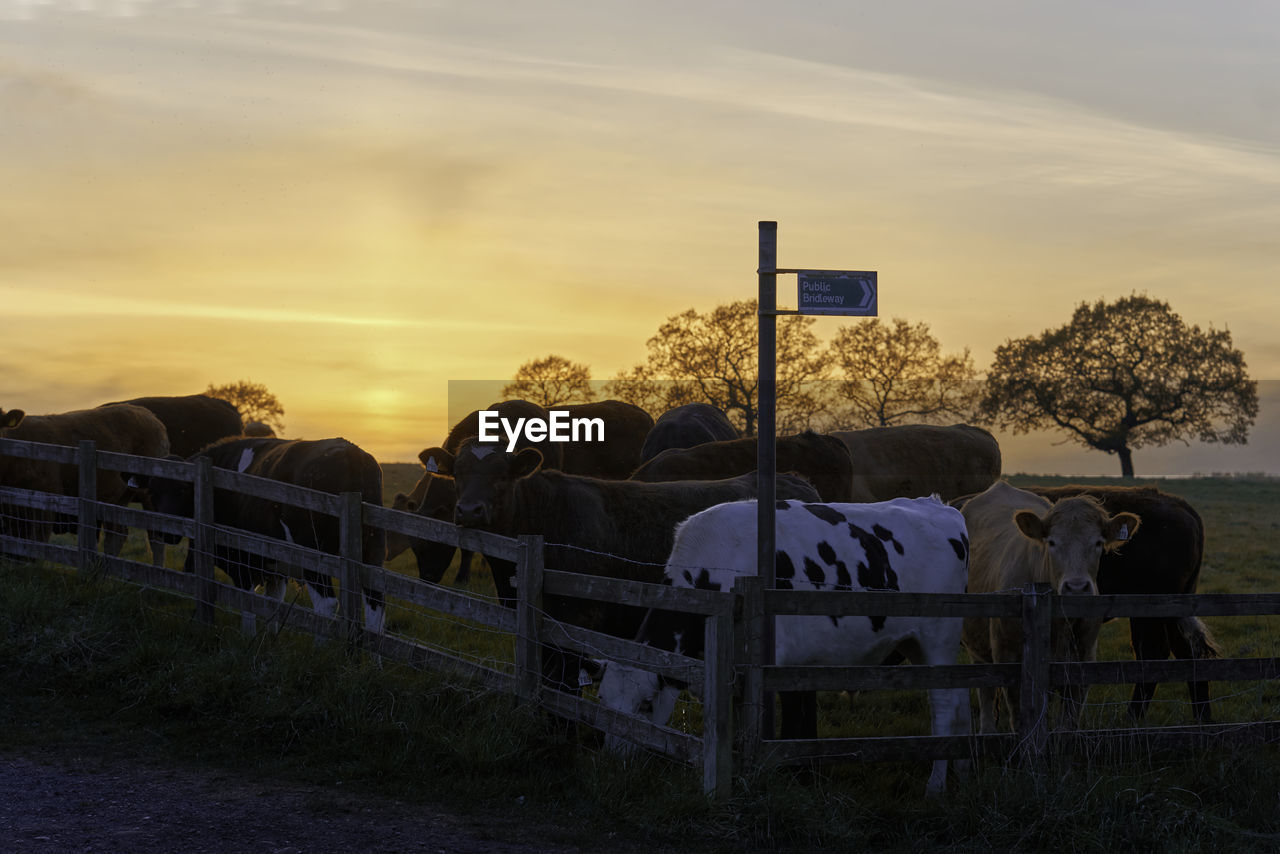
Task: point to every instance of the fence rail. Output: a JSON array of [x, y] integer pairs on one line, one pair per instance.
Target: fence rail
[[732, 659]]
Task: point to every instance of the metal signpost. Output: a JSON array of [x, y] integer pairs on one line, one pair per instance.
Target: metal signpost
[[846, 293]]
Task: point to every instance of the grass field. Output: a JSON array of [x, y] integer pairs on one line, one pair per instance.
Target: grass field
[[94, 662]]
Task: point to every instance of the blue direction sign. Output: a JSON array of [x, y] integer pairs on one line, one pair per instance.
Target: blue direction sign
[[846, 292]]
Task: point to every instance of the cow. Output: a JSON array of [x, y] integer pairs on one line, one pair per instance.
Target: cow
[[823, 460], [611, 456], [1162, 557], [1019, 538], [327, 465], [686, 426], [912, 460], [434, 558], [121, 428], [613, 528], [617, 452], [193, 421], [915, 545]]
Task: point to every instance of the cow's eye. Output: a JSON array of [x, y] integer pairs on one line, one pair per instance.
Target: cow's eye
[[1098, 544]]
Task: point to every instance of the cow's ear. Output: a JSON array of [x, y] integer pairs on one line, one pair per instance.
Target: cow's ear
[[1030, 524], [1121, 527], [12, 418], [526, 462], [403, 502], [437, 460]]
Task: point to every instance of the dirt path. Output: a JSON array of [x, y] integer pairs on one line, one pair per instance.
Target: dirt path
[[71, 804]]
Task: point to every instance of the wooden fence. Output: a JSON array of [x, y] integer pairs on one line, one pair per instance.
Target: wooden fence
[[732, 721]]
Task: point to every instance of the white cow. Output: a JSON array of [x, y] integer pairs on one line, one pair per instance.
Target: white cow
[[916, 545]]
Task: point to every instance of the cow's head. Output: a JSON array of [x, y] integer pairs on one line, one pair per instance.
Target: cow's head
[[1074, 532], [11, 419], [484, 476]]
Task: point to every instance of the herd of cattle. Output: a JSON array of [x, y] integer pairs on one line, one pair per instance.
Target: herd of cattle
[[912, 508]]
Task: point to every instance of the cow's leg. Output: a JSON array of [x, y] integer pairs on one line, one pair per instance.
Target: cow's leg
[[504, 576], [113, 538], [375, 611], [1150, 639], [799, 714], [987, 709], [324, 598], [1190, 639], [948, 707], [464, 568]]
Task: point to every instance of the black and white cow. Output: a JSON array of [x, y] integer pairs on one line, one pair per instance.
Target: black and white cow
[[328, 465], [916, 545]]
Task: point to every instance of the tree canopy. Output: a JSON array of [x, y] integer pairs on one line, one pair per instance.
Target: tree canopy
[[551, 381], [1122, 376], [253, 400], [712, 358], [893, 373]]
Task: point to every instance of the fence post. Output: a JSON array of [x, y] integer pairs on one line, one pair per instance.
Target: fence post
[[717, 738], [201, 545], [751, 718], [528, 618], [351, 551], [1033, 703], [87, 507]]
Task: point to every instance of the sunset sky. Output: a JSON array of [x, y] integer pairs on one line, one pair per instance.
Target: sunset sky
[[354, 203]]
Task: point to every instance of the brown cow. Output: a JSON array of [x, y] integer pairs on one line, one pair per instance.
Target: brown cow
[[1017, 538], [822, 459], [912, 460], [433, 495], [614, 528], [193, 421], [614, 458], [625, 427], [1163, 557], [120, 428], [686, 426]]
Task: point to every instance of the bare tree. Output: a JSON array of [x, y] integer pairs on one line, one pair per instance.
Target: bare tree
[[895, 372], [712, 358], [1121, 376], [551, 381], [253, 400]]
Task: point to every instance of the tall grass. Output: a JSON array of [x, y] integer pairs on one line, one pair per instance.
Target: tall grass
[[95, 663]]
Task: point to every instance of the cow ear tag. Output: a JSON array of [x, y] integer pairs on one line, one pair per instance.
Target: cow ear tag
[[432, 465], [584, 679], [1124, 532]]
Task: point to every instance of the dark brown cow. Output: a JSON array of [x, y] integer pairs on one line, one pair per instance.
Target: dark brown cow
[[1163, 556], [120, 428], [193, 421], [913, 460], [327, 465], [433, 495], [824, 460], [686, 426], [625, 429], [614, 528]]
